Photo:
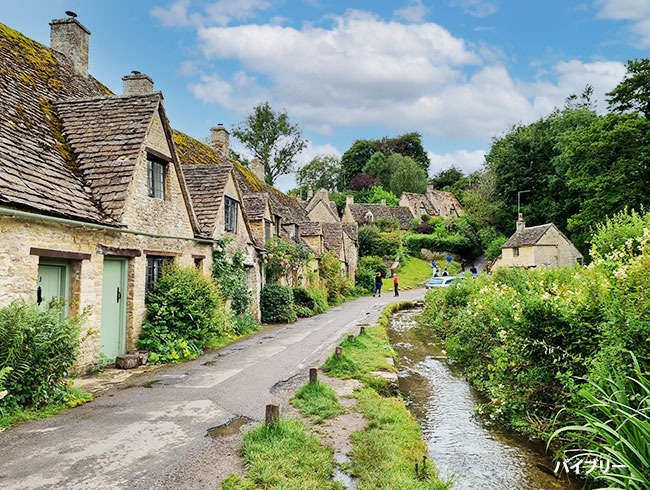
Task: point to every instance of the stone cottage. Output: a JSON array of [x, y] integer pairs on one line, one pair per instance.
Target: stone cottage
[[92, 196], [538, 246], [367, 214], [432, 203]]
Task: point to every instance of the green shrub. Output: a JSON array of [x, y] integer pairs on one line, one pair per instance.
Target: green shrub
[[243, 324], [375, 264], [276, 304], [365, 279], [493, 250], [302, 297], [336, 283], [184, 311], [284, 258], [37, 350], [229, 272], [456, 244], [367, 236]]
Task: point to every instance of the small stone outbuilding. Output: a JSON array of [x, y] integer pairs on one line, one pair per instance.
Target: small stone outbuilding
[[538, 246]]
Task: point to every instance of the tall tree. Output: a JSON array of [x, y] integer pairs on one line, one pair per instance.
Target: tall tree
[[408, 145], [447, 177], [323, 172], [379, 167], [633, 93], [407, 175], [354, 159], [272, 138]]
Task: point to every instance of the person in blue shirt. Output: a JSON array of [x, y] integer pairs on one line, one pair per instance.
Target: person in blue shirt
[[434, 266]]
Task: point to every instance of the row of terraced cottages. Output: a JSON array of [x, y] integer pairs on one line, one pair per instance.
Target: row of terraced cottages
[[97, 192]]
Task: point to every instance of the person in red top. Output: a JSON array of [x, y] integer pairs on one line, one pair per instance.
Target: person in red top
[[395, 284]]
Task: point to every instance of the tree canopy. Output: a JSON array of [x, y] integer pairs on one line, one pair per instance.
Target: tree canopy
[[323, 172], [633, 93], [272, 138]]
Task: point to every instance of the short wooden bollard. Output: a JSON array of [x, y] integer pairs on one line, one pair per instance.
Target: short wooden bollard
[[339, 352], [362, 330], [351, 338], [272, 414], [313, 375]]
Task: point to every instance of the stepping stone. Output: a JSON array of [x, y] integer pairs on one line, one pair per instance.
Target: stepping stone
[[127, 361]]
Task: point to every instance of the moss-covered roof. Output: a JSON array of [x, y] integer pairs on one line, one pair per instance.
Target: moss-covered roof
[[37, 167], [193, 152]]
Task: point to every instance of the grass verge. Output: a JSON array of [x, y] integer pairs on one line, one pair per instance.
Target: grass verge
[[317, 399], [413, 273], [73, 397], [386, 452], [284, 457]]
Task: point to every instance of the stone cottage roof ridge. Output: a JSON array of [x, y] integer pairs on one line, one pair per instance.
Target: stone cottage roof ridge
[[401, 213], [527, 237]]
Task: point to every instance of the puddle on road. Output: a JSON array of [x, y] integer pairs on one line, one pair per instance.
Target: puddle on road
[[229, 428]]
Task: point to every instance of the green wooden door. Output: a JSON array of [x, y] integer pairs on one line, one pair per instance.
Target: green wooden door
[[112, 336], [52, 284]]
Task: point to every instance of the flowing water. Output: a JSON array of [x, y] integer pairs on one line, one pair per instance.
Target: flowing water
[[461, 446]]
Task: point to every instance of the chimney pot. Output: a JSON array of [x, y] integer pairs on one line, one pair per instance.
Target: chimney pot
[[220, 140], [430, 187], [70, 38], [136, 84], [521, 224], [310, 192]]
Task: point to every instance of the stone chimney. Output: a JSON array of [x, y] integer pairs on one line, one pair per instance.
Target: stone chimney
[[220, 140], [383, 202], [310, 192], [257, 167], [349, 199], [137, 83], [430, 187], [70, 38], [521, 224]]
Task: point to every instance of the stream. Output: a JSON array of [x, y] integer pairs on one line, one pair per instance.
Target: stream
[[472, 454]]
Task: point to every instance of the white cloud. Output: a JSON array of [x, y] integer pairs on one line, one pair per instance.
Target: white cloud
[[221, 12], [637, 12], [364, 71], [477, 8], [415, 11], [467, 161]]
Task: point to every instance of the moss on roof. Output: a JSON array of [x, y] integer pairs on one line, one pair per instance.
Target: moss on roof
[[256, 184], [56, 127], [192, 152]]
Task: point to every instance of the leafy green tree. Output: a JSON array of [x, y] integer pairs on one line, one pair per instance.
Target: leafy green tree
[[609, 169], [378, 193], [272, 138], [354, 159], [447, 177], [323, 172], [633, 93], [408, 145], [379, 167], [407, 175]]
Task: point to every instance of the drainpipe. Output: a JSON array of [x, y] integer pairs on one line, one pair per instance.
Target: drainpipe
[[93, 226]]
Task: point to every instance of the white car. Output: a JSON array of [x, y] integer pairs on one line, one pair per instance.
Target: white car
[[442, 282]]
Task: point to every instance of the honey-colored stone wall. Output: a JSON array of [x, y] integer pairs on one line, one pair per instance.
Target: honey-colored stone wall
[[323, 214], [18, 271], [169, 216]]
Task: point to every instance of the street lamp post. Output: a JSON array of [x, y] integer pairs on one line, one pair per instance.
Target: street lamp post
[[519, 202]]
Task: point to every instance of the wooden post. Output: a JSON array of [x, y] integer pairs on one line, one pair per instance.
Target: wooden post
[[351, 338], [272, 414], [313, 375], [339, 351], [362, 330]]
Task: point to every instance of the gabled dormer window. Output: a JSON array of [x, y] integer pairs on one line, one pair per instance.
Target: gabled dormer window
[[156, 170], [369, 216], [452, 211], [231, 214]]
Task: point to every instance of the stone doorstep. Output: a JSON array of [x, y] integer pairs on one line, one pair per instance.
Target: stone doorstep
[[390, 377], [95, 383]]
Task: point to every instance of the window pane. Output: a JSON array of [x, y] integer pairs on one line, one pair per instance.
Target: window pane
[[150, 177]]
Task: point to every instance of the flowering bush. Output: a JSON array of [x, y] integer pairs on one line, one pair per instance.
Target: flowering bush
[[529, 339], [285, 258]]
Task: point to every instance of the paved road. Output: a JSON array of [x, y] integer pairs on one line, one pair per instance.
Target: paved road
[[137, 435]]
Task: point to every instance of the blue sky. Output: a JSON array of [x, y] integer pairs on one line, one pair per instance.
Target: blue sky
[[458, 71]]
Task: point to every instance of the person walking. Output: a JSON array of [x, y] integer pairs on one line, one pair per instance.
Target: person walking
[[463, 263], [473, 271], [396, 285], [378, 284], [434, 266]]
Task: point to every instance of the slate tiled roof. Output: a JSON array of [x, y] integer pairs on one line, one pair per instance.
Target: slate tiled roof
[[37, 169], [352, 229], [311, 228], [527, 237], [360, 210], [417, 200], [206, 185], [288, 208], [332, 236], [255, 204], [106, 134]]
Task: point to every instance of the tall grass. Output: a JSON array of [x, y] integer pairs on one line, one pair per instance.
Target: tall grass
[[614, 427]]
